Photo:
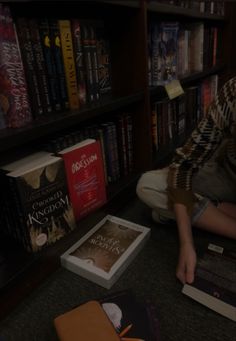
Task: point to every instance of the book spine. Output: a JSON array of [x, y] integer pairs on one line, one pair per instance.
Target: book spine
[[104, 59], [2, 117], [94, 59], [29, 66], [130, 142], [50, 66], [58, 60], [14, 94], [88, 59], [20, 227], [122, 148], [40, 66], [79, 61], [69, 63]]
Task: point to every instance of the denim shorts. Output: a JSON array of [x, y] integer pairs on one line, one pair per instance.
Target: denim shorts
[[214, 185], [199, 208]]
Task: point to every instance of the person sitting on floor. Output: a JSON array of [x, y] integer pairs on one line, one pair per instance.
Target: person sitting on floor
[[199, 186]]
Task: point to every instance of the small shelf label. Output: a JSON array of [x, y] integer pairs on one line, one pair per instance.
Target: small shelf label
[[174, 89]]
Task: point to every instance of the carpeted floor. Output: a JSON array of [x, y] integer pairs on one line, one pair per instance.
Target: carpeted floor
[[151, 275]]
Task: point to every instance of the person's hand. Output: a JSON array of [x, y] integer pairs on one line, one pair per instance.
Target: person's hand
[[186, 263]]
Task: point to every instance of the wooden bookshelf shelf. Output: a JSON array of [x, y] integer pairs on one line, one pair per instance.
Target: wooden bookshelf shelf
[[127, 27]]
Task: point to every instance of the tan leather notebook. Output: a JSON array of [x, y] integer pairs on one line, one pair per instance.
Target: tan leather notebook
[[87, 322]]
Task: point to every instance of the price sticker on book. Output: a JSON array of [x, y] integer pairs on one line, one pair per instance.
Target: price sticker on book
[[174, 89]]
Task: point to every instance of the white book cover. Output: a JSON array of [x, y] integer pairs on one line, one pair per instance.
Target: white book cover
[[106, 250]]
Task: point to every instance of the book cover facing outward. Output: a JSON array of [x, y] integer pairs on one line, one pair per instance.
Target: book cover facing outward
[[215, 281], [124, 310], [106, 250], [85, 176], [39, 197]]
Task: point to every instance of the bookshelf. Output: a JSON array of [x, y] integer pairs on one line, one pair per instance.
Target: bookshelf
[[19, 272]]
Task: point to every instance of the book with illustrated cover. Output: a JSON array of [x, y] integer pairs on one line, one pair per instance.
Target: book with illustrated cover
[[118, 316], [215, 281], [106, 250], [164, 37], [132, 318], [38, 200], [85, 176]]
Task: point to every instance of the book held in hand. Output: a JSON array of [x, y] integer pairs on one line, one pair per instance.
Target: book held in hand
[[215, 281], [85, 176], [106, 250]]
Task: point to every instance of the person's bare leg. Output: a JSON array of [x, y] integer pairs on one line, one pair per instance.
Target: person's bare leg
[[228, 208], [215, 220]]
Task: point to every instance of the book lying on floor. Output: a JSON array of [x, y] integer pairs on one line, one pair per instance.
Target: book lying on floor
[[106, 250], [87, 322], [118, 316], [215, 281], [132, 318]]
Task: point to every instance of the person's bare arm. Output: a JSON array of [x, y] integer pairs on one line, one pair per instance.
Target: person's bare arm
[[187, 255]]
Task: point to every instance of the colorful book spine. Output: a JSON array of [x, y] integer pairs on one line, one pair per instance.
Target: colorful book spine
[[14, 94], [69, 63], [58, 61], [90, 58], [104, 59], [40, 66], [79, 61], [50, 66], [29, 63]]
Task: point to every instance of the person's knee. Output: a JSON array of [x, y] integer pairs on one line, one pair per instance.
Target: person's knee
[[141, 185], [151, 188]]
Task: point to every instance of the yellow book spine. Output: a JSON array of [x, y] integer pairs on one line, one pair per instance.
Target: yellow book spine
[[69, 63]]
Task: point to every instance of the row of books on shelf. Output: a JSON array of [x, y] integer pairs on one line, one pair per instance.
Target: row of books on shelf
[[49, 65], [175, 119], [177, 50], [46, 193], [207, 6], [117, 143]]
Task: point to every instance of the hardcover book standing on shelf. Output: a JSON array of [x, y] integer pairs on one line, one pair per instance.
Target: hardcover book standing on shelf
[[215, 281], [106, 250], [37, 203], [85, 176], [14, 101], [69, 63]]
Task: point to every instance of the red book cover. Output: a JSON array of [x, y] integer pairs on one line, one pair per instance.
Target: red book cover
[[85, 176]]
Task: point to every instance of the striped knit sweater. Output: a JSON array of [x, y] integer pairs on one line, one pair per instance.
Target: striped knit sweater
[[205, 140]]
